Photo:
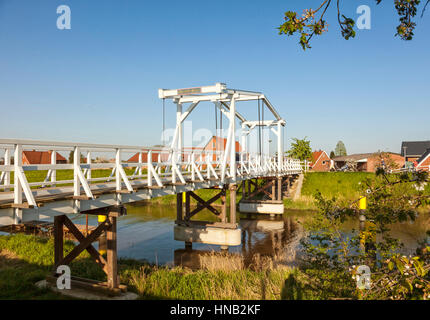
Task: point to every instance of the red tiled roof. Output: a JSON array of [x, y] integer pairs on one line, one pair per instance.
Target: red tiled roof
[[316, 155], [40, 157], [220, 144]]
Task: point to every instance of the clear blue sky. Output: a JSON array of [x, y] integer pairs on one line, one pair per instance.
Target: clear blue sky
[[98, 81]]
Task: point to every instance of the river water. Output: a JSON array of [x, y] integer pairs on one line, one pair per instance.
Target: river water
[[146, 233]]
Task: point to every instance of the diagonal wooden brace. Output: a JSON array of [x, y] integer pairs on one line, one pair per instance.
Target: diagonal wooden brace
[[202, 204], [86, 241]]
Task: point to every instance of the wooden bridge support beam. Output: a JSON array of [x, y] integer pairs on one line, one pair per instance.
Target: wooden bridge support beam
[[179, 211], [279, 187], [233, 189], [108, 264], [223, 232], [183, 208]]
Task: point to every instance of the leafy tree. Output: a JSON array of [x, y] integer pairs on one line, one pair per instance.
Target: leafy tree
[[312, 22], [340, 149], [300, 149], [332, 155], [331, 257], [71, 154]]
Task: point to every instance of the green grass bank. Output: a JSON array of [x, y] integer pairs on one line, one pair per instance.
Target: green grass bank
[[25, 259], [344, 186]]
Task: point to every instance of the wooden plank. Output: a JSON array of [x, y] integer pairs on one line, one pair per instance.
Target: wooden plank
[[100, 287], [102, 283], [24, 205], [115, 211], [154, 187], [125, 191], [81, 198]]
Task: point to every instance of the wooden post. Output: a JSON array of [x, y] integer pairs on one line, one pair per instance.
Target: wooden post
[[273, 189], [103, 237], [187, 205], [58, 239], [279, 188], [223, 207], [249, 188], [233, 189], [179, 207], [112, 262], [243, 189]]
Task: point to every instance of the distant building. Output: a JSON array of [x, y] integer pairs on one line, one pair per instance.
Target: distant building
[[414, 150], [41, 157], [320, 161], [369, 162], [423, 163], [155, 156], [219, 144], [214, 144]]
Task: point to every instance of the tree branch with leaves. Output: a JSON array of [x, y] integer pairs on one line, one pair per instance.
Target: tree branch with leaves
[[312, 22]]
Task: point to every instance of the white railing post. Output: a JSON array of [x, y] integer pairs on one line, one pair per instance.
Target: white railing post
[[79, 178], [6, 173], [53, 171], [89, 163], [17, 187], [173, 160], [140, 164], [76, 168], [233, 168], [118, 173], [280, 144], [193, 171], [148, 166]]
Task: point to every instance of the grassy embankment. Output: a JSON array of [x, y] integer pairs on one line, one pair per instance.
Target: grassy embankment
[[25, 259], [341, 185]]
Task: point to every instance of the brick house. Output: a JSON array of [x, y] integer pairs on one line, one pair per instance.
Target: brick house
[[218, 143], [135, 159], [41, 157], [413, 150], [369, 162], [320, 161], [424, 162]]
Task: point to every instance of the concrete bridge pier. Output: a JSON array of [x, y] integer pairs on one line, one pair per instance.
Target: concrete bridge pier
[[224, 232]]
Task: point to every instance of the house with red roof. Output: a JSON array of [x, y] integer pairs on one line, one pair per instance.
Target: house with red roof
[[423, 163], [40, 157], [214, 144], [320, 161], [219, 144]]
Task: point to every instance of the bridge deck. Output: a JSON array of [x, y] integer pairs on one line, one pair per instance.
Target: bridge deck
[[165, 172], [49, 194]]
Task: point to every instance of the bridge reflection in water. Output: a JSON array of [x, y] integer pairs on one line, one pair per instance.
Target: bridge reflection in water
[[266, 242]]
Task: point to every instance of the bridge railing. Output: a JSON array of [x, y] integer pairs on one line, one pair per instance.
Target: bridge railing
[[144, 166]]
